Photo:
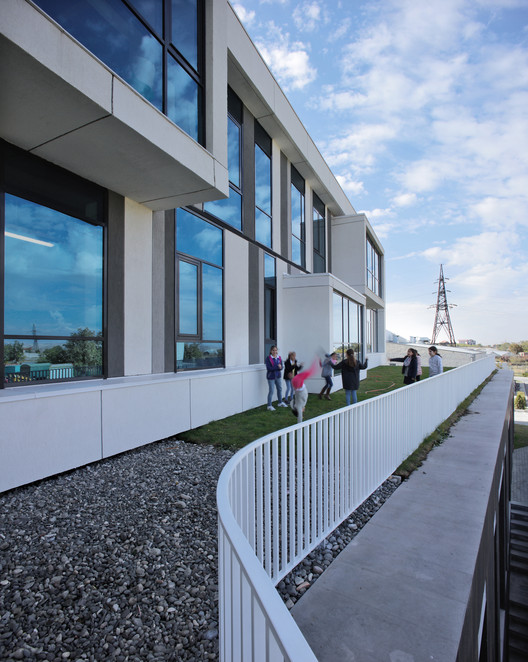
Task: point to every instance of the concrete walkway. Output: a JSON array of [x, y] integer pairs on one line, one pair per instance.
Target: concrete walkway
[[399, 591]]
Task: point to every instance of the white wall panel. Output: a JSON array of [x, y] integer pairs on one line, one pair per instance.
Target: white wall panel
[[42, 436], [138, 289], [137, 415], [236, 300]]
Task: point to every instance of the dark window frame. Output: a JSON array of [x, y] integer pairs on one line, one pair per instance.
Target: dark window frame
[[199, 262], [30, 178], [263, 142], [319, 246], [298, 183]]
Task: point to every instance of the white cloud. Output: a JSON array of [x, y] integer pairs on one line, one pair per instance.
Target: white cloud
[[289, 62], [350, 186], [404, 200], [309, 16], [247, 17]]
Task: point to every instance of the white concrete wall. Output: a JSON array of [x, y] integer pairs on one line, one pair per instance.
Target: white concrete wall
[[138, 289], [52, 428], [236, 300]]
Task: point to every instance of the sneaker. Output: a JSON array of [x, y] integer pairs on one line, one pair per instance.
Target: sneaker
[[282, 404], [270, 408], [327, 397]]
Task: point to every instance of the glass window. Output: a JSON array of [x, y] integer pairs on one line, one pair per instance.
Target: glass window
[[373, 269], [229, 210], [185, 34], [262, 186], [319, 235], [135, 47], [199, 262], [346, 325], [297, 218], [53, 294]]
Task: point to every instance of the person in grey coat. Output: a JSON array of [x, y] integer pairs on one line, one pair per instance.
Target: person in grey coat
[[436, 366]]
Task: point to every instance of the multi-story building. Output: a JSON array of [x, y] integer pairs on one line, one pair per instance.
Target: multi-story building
[[166, 219]]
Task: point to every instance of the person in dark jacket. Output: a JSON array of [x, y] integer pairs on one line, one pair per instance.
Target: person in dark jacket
[[273, 375], [291, 368], [350, 368], [410, 366]]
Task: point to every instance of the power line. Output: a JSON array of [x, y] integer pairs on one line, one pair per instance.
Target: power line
[[442, 318]]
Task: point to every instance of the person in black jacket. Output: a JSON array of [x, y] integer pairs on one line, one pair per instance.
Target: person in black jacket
[[291, 368], [410, 366], [350, 368]]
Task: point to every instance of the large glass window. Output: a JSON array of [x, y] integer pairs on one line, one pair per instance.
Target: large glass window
[[297, 218], [229, 210], [373, 269], [163, 66], [319, 235], [52, 299], [199, 275], [372, 330], [270, 303], [262, 186], [346, 325]]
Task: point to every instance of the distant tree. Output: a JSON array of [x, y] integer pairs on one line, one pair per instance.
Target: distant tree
[[524, 344], [83, 352], [56, 354], [14, 352], [516, 348]]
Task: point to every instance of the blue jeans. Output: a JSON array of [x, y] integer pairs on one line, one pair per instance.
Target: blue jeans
[[289, 389], [277, 384], [348, 392]]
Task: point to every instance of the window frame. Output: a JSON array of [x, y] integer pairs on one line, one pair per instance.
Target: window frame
[[318, 207], [180, 256], [264, 143], [45, 184], [373, 260], [298, 184]]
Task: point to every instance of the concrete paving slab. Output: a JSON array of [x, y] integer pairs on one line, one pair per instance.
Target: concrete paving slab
[[399, 591]]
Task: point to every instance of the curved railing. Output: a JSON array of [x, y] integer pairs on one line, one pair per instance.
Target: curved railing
[[282, 495]]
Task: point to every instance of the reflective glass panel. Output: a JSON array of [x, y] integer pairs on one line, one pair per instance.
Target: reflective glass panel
[[262, 180], [296, 251], [198, 238], [152, 12], [211, 303], [182, 98], [228, 210], [199, 355], [185, 29], [112, 32], [269, 266], [262, 228], [48, 360], [233, 152], [338, 322], [188, 298], [53, 272]]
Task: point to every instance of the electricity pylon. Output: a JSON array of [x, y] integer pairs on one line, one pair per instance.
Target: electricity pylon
[[442, 319]]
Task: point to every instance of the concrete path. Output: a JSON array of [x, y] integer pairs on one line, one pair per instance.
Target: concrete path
[[399, 591]]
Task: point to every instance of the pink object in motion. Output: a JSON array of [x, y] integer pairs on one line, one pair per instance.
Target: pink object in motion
[[298, 380]]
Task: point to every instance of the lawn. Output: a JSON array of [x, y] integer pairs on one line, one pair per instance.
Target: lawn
[[239, 430], [520, 436]]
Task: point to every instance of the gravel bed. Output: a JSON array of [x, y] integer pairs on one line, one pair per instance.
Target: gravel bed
[[118, 560], [114, 561]]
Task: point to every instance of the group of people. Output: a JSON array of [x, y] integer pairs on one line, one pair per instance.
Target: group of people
[[412, 365], [294, 377]]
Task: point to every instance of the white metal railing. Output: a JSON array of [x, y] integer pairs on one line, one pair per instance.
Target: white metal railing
[[283, 494]]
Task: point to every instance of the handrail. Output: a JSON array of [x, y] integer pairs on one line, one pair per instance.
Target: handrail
[[279, 497]]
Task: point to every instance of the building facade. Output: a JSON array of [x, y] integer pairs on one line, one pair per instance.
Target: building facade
[[166, 218]]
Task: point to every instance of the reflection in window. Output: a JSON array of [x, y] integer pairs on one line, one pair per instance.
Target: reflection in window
[[297, 218], [372, 330], [229, 210], [137, 49], [373, 268], [199, 263], [53, 294], [185, 29], [319, 235], [262, 186], [346, 325]]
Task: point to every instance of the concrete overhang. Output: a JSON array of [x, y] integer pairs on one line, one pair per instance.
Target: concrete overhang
[[64, 105]]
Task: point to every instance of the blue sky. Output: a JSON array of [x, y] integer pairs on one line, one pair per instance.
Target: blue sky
[[421, 111]]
